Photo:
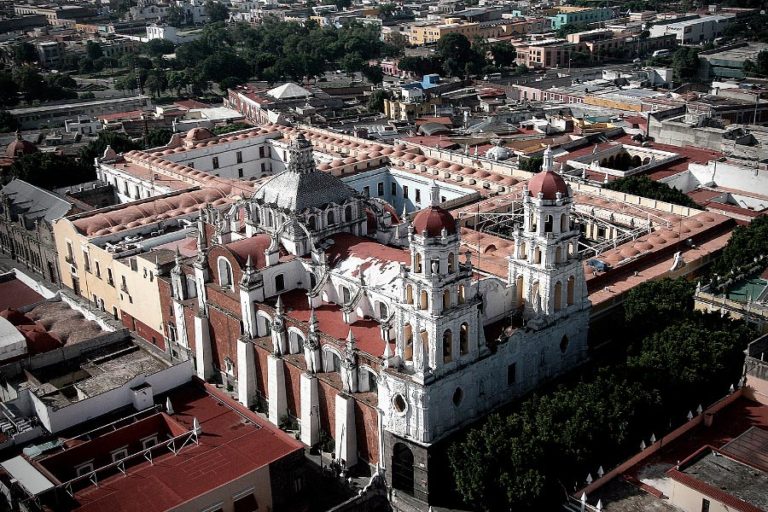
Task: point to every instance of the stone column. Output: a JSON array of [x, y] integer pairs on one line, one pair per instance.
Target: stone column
[[246, 371], [310, 410], [346, 435], [203, 355], [276, 388]]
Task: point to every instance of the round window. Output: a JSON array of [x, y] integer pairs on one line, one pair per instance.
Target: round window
[[458, 396], [398, 402]]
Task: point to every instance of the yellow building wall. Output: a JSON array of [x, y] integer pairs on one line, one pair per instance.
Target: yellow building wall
[[92, 280], [141, 297]]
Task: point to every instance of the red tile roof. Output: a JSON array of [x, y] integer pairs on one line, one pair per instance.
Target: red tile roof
[[15, 294], [229, 449]]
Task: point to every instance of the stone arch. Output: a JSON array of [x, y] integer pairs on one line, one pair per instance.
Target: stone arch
[[548, 224], [636, 161], [348, 213], [570, 290], [402, 468], [409, 294], [312, 223], [646, 160], [331, 218], [563, 222], [263, 324], [446, 299], [408, 342], [225, 273], [417, 263], [382, 310], [558, 296], [462, 294], [464, 339], [535, 295], [423, 300], [295, 340], [368, 379], [424, 339], [523, 250], [331, 359], [520, 285], [451, 263], [447, 346], [536, 255]]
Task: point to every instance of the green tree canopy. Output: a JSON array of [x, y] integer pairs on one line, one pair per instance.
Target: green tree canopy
[[216, 11], [50, 170], [646, 187], [120, 142]]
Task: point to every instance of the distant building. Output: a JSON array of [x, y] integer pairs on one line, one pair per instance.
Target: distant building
[[580, 15], [55, 115], [695, 31], [727, 62]]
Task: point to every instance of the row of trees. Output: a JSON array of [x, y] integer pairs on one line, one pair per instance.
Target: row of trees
[[646, 187], [26, 82], [675, 359], [747, 243]]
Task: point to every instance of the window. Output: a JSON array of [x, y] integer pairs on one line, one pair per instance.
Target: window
[[239, 157], [110, 280], [447, 346], [261, 152], [191, 164], [263, 167], [380, 189], [84, 469], [418, 195], [394, 189], [345, 295], [331, 218], [215, 162], [704, 505], [87, 261], [98, 270], [511, 374], [239, 173], [171, 332], [119, 454], [279, 282], [225, 274], [367, 191], [148, 442], [405, 191]]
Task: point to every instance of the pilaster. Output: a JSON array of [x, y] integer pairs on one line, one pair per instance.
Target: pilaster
[[246, 371], [310, 410], [346, 434], [276, 388]]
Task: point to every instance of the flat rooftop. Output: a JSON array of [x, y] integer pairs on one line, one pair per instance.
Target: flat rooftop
[[15, 294]]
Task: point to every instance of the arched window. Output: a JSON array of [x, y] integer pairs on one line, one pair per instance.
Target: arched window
[[447, 299], [295, 342], [225, 273], [409, 294], [558, 296], [451, 263], [417, 263], [332, 361], [523, 251], [563, 223], [383, 311], [424, 337], [570, 291], [564, 344], [461, 294], [447, 346], [312, 223], [536, 255], [520, 285], [331, 218], [348, 213], [408, 342], [464, 339], [424, 300], [270, 219], [548, 224]]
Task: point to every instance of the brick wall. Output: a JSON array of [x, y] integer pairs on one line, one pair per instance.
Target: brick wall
[[367, 426], [225, 330], [293, 389], [143, 330], [327, 401]]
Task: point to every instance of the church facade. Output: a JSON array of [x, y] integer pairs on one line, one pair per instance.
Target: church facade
[[330, 312]]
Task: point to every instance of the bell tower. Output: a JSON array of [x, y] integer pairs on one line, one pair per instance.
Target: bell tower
[[545, 269]]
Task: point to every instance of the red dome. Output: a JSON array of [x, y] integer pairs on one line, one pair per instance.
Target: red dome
[[19, 147], [433, 220], [549, 184]]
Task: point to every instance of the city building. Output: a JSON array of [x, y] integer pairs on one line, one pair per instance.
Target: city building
[[581, 15], [27, 214], [727, 62], [694, 31], [55, 115]]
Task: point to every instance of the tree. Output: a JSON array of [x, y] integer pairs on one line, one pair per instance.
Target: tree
[[531, 164], [456, 53], [157, 137], [93, 50], [24, 53], [216, 11], [50, 170], [685, 64], [156, 82], [178, 80], [9, 91], [503, 54], [646, 187], [396, 45], [745, 245], [373, 74], [571, 28], [117, 141], [665, 301], [159, 47], [175, 16], [352, 62], [376, 100], [8, 123]]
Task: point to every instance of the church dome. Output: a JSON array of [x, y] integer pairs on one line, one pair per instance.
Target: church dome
[[301, 186], [432, 220], [548, 183], [19, 147], [498, 153], [198, 134]]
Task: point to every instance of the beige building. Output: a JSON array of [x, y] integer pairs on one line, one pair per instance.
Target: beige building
[[428, 33]]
